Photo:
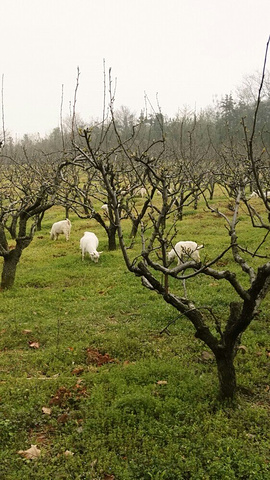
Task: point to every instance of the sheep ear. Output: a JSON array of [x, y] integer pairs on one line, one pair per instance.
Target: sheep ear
[[100, 252]]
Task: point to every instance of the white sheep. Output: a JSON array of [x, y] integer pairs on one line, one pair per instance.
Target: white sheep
[[141, 192], [187, 249], [62, 227], [254, 195], [89, 244], [105, 209]]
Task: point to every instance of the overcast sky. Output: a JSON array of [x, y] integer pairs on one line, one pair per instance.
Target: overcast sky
[[185, 52]]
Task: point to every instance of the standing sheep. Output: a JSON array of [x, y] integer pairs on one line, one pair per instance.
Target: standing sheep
[[89, 244], [105, 209], [142, 192], [185, 249], [62, 227]]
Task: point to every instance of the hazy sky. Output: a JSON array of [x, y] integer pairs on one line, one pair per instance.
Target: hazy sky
[[184, 51]]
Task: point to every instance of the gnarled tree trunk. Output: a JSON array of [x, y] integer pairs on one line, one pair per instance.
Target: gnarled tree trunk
[[11, 261]]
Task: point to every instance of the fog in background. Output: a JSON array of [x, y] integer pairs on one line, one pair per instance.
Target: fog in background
[[185, 53]]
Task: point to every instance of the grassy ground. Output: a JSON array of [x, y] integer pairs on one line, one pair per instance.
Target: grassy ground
[[87, 377]]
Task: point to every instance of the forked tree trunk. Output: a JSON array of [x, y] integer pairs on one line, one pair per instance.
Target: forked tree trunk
[[137, 220], [135, 226], [9, 268]]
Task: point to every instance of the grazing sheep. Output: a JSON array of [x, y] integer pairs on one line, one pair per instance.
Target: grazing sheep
[[185, 249], [266, 194], [62, 227], [141, 192], [89, 244], [105, 209]]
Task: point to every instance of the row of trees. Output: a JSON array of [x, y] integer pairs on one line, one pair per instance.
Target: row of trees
[[180, 159]]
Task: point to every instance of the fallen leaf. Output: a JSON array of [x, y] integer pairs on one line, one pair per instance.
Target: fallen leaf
[[26, 332], [207, 356], [94, 357], [80, 390], [46, 410], [77, 371], [61, 397], [63, 418], [162, 382], [32, 453], [68, 453], [243, 348], [34, 345], [108, 477]]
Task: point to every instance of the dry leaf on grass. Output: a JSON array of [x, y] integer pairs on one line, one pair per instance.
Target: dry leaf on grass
[[46, 410], [68, 453], [243, 348], [207, 356], [77, 371], [162, 382], [26, 331], [32, 453], [64, 418], [61, 397], [34, 345], [94, 357]]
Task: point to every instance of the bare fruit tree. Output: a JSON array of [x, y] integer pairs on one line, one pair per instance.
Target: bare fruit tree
[[104, 160], [151, 162], [248, 280], [27, 189]]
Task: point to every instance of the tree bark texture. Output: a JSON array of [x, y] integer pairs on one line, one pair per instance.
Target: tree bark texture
[[9, 268], [226, 374], [112, 238]]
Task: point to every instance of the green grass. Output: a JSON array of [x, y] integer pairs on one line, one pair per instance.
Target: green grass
[[152, 411]]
